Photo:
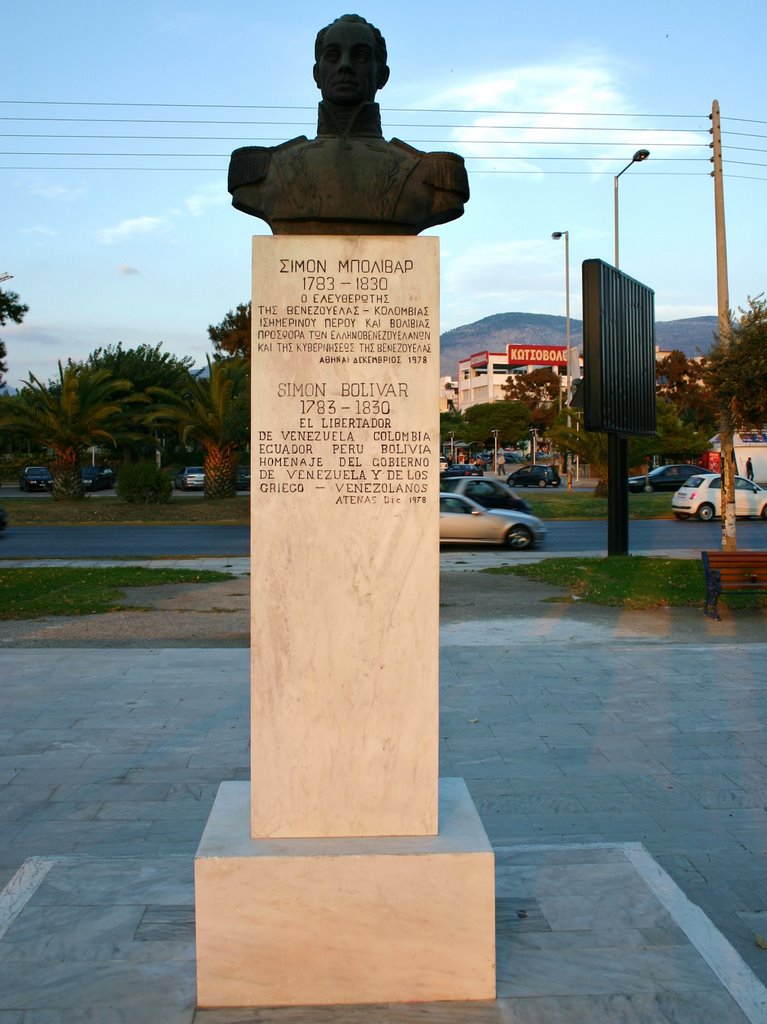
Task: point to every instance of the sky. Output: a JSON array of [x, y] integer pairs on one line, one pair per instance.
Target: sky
[[133, 239]]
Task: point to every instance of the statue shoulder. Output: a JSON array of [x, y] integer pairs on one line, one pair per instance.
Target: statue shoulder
[[250, 164], [444, 171]]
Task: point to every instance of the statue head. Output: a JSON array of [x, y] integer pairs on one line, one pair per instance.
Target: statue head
[[350, 61]]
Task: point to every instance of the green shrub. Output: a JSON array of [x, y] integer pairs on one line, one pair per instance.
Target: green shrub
[[142, 483]]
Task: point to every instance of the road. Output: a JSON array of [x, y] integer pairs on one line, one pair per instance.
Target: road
[[645, 537]]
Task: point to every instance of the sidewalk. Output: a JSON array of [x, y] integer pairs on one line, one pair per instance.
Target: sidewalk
[[618, 779]]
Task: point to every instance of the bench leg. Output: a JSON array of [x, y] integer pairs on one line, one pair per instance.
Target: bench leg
[[713, 590]]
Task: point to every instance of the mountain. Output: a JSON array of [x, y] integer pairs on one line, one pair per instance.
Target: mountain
[[493, 333]]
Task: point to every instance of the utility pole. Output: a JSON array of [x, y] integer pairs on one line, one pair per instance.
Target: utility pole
[[729, 539]]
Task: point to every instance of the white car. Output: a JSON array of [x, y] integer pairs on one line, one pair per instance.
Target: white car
[[463, 521], [701, 496]]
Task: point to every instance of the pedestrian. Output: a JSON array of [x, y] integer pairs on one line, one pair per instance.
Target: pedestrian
[[501, 464], [749, 468]]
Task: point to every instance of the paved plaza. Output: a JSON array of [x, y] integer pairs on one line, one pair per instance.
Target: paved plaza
[[620, 777]]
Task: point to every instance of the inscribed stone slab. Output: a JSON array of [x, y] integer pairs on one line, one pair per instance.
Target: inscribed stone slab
[[345, 549]]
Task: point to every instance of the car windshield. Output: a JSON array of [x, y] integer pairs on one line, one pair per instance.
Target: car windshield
[[194, 469]]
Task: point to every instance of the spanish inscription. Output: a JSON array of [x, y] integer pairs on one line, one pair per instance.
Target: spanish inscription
[[345, 363]]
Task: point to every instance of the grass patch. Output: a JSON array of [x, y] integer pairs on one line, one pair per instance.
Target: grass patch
[[623, 581], [559, 503], [44, 511], [40, 592]]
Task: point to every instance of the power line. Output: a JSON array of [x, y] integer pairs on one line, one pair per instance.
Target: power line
[[406, 110]]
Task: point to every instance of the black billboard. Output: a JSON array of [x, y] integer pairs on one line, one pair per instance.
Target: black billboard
[[618, 351]]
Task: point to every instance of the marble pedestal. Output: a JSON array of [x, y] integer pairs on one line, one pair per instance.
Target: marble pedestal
[[360, 920]]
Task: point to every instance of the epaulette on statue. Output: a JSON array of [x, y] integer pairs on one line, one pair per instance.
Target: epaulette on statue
[[250, 165], [445, 171]]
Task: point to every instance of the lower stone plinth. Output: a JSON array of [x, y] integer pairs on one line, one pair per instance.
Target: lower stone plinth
[[320, 921]]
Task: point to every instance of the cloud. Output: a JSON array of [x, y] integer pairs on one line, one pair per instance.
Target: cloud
[[39, 229], [507, 276], [58, 192], [123, 268], [131, 227], [210, 195], [195, 204], [563, 111]]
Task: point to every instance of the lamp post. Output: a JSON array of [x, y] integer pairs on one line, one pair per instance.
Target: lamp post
[[617, 444], [566, 235], [637, 158]]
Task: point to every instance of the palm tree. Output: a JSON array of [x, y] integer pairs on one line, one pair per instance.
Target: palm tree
[[213, 411], [69, 415]]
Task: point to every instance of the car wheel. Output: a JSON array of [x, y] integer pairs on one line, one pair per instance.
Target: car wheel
[[542, 483], [764, 512], [705, 512], [518, 537]]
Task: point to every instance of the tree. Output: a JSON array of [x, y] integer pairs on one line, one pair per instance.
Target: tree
[[737, 376], [539, 391], [211, 411], [232, 336], [13, 310], [145, 366], [84, 408], [510, 419], [737, 372], [673, 438], [681, 381]]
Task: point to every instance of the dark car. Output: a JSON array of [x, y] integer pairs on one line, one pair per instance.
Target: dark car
[[534, 476], [664, 478], [242, 481], [36, 478], [487, 492], [3, 520], [97, 478], [463, 469], [191, 478]]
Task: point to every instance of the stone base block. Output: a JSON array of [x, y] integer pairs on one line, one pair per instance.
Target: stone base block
[[365, 920]]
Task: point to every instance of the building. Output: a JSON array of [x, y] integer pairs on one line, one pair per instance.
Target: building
[[482, 376], [448, 395]]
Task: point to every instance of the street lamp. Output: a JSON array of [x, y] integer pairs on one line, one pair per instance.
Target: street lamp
[[566, 235], [637, 158]]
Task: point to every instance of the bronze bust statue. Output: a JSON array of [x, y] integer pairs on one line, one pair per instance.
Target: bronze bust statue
[[349, 179]]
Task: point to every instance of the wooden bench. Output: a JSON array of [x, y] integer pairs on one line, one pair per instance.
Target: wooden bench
[[733, 572]]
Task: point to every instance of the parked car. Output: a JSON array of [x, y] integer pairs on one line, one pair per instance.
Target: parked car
[[463, 469], [463, 521], [3, 520], [35, 478], [191, 478], [443, 463], [701, 496], [97, 478], [487, 492], [242, 481], [664, 478], [534, 476]]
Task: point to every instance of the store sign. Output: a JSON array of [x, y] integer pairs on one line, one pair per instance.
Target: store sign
[[536, 355], [480, 359]]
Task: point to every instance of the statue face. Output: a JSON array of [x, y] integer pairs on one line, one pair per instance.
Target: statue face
[[348, 72]]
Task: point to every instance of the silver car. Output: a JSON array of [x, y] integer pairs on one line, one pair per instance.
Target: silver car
[[463, 521], [191, 478]]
